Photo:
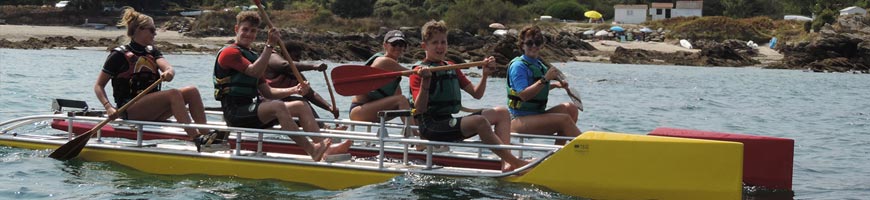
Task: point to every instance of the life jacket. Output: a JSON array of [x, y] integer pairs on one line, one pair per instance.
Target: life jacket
[[229, 82], [387, 90], [141, 72], [444, 91], [538, 103]]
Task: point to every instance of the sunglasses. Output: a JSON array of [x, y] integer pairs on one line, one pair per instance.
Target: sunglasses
[[401, 44], [152, 29], [534, 42]]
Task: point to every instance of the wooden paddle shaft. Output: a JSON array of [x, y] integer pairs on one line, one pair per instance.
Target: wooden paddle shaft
[[281, 47], [329, 87], [406, 72], [73, 147]]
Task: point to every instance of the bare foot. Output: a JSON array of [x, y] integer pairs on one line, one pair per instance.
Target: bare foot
[[320, 149], [507, 167], [341, 148]]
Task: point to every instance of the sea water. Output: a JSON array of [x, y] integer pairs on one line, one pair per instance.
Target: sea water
[[828, 116]]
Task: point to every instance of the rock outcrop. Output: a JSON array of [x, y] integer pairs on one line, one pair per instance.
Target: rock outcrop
[[841, 47], [711, 54]]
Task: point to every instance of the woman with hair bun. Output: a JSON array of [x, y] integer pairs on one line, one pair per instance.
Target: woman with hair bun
[[133, 67]]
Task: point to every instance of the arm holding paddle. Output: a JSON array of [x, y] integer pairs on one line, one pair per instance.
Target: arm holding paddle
[[528, 90], [477, 91], [258, 68], [100, 90], [422, 101]]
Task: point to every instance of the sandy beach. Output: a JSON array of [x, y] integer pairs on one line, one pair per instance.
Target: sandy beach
[[24, 32]]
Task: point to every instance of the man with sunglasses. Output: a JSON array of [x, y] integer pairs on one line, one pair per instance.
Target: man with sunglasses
[[528, 86]]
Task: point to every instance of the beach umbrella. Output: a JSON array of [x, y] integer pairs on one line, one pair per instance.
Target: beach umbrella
[[589, 32], [593, 14], [601, 33], [617, 28], [497, 26], [646, 30]]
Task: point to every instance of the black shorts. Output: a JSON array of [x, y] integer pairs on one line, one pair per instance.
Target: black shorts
[[444, 128], [242, 112]]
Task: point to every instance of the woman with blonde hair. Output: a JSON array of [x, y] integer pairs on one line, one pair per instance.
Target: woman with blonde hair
[[133, 67]]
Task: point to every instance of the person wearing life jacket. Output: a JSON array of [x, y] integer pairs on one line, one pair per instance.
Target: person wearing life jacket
[[239, 82], [280, 75], [133, 67], [437, 97], [365, 107], [528, 87]]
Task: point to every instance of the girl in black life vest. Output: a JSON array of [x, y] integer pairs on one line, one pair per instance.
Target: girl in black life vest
[[133, 67]]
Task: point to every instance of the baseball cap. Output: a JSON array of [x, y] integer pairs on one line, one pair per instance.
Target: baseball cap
[[394, 35]]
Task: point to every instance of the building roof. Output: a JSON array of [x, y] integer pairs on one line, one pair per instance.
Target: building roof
[[662, 5], [630, 6], [690, 4]]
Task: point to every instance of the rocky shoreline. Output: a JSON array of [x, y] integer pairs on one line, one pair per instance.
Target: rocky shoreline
[[842, 47]]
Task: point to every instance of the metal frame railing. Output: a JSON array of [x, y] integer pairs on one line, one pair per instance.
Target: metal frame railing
[[382, 138]]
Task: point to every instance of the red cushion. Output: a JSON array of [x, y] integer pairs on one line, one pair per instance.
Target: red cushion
[[767, 161]]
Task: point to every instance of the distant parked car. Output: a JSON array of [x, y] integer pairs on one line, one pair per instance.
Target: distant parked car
[[61, 4]]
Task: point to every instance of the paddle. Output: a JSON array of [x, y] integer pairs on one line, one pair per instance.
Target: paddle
[[281, 48], [573, 94], [72, 148], [359, 79], [331, 95]]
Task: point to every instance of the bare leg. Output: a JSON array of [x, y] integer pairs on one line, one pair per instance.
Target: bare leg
[[152, 106], [500, 117], [369, 111], [553, 121], [481, 126], [270, 110], [195, 106], [309, 124]]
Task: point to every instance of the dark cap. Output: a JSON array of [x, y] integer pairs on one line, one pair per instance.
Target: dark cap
[[394, 35]]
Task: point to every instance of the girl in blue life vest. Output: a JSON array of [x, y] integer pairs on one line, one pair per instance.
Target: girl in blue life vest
[[529, 82], [133, 67], [437, 97]]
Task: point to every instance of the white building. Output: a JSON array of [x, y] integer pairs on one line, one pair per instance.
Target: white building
[[629, 14], [661, 10], [853, 10], [688, 9]]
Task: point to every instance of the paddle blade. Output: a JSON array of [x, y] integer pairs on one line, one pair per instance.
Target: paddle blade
[[72, 148], [572, 93], [349, 80], [575, 97]]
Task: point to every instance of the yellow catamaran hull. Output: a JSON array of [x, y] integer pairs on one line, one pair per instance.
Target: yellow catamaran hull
[[596, 165]]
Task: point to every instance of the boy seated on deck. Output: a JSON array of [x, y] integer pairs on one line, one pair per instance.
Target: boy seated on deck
[[437, 97]]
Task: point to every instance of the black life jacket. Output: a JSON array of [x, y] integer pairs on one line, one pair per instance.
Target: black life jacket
[[141, 72]]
